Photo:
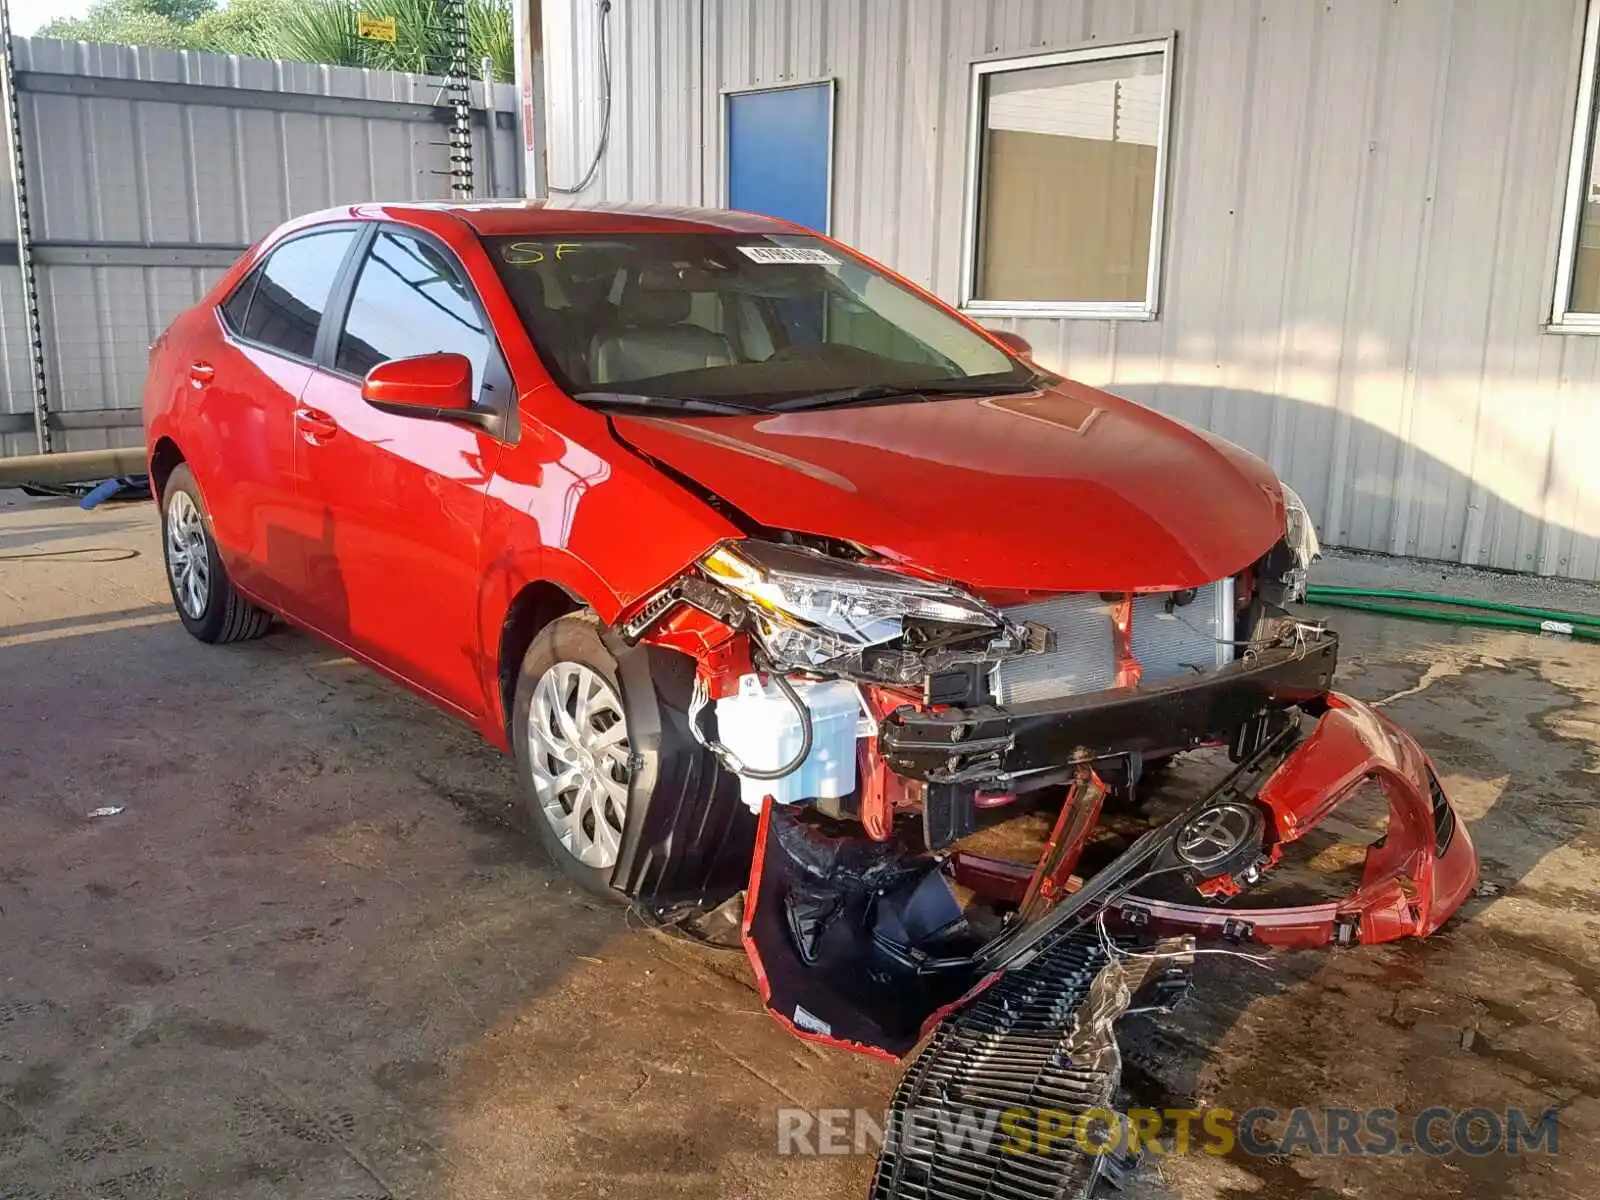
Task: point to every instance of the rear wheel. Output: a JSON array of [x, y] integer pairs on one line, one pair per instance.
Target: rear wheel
[[207, 603], [570, 736]]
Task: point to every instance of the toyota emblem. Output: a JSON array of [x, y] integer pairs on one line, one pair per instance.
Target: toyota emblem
[[1215, 834]]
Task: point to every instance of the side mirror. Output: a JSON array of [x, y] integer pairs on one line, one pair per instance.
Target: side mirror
[[1013, 342], [430, 385]]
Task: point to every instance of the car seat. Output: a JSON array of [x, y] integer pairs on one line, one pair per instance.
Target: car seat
[[654, 337]]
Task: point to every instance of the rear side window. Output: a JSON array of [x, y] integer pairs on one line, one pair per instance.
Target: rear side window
[[410, 299], [290, 292]]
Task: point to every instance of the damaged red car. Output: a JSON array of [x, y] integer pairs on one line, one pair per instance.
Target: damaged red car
[[781, 579]]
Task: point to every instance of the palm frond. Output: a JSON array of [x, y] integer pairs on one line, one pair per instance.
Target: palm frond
[[489, 36], [321, 31]]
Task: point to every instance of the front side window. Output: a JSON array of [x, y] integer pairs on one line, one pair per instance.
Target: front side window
[[1068, 154], [290, 291], [1577, 290], [409, 299], [755, 321]]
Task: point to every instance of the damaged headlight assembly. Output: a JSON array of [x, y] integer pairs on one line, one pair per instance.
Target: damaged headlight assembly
[[1300, 535], [819, 614], [811, 612]]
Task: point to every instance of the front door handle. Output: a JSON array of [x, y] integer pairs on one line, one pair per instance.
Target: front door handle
[[315, 425], [201, 373]]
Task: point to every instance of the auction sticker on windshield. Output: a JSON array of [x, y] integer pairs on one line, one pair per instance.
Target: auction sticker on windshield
[[789, 254]]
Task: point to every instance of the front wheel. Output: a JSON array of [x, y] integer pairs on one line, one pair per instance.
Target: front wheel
[[569, 732], [207, 602]]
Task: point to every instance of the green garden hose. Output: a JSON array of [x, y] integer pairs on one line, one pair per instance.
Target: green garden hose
[[1490, 613]]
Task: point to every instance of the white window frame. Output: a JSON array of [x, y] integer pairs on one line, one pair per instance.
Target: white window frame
[[1562, 317], [1124, 310]]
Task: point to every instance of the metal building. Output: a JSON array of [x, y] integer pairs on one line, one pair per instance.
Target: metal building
[[1351, 235]]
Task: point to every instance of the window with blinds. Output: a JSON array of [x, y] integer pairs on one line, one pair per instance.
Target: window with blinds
[[1068, 151]]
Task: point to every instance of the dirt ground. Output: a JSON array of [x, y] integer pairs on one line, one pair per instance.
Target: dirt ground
[[315, 956]]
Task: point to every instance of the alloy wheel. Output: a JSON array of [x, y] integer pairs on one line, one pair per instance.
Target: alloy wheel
[[188, 560], [578, 751]]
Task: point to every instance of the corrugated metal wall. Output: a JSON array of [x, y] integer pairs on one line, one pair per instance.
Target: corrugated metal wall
[[149, 171], [1362, 220]]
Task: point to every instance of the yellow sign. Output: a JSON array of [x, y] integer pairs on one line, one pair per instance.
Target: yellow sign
[[375, 29]]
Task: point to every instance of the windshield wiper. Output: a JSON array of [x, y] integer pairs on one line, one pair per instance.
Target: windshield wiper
[[674, 403], [890, 391], [855, 395]]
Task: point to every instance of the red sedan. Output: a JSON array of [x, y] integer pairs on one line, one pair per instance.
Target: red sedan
[[778, 575]]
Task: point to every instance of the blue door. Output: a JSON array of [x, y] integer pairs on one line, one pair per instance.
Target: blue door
[[780, 144]]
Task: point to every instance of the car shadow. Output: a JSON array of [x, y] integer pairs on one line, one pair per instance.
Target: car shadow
[[301, 870]]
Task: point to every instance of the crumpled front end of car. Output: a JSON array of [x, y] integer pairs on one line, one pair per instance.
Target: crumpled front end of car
[[939, 792]]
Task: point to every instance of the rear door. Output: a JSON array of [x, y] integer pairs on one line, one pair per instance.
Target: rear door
[[400, 499], [246, 379]]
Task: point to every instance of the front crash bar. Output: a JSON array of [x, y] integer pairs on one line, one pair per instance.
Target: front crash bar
[[965, 744]]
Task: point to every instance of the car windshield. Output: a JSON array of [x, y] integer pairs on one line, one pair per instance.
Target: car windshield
[[737, 322]]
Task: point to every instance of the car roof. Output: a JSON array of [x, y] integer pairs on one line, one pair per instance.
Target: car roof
[[512, 217]]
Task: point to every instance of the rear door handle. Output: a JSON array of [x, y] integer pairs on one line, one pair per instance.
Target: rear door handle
[[315, 425], [201, 373]]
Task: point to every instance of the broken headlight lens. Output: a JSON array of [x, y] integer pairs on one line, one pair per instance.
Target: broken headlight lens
[[1301, 536], [810, 610]]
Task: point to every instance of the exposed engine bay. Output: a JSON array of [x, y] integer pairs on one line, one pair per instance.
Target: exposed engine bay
[[876, 728]]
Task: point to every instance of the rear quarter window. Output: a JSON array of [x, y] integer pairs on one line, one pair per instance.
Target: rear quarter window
[[237, 306]]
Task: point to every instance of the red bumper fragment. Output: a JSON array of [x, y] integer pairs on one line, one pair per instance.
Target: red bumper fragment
[[1413, 880]]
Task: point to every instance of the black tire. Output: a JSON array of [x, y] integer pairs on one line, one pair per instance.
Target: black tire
[[573, 639], [225, 615]]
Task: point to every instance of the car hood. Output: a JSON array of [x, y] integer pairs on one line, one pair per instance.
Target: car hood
[[1064, 489]]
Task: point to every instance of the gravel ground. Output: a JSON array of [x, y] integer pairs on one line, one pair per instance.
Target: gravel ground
[[314, 954]]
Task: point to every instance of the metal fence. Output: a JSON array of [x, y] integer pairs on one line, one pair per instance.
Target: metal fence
[[149, 172]]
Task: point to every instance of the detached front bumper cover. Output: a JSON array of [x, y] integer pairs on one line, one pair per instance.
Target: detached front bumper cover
[[1329, 747], [1016, 1040], [1413, 880]]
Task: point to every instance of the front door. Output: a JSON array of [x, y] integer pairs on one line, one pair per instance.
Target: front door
[[400, 499]]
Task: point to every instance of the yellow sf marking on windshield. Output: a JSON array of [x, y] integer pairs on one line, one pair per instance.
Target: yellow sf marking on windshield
[[527, 254]]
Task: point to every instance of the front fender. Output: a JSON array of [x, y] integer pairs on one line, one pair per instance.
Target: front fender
[[514, 567], [600, 524]]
